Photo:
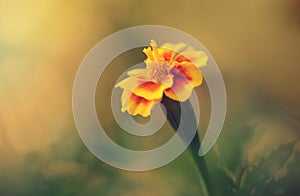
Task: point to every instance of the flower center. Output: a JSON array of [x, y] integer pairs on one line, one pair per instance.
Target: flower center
[[158, 71]]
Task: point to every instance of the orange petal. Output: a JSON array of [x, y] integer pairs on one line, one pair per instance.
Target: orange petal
[[190, 71], [169, 50], [181, 58], [166, 54], [181, 89], [198, 58], [143, 87], [134, 104], [150, 90]]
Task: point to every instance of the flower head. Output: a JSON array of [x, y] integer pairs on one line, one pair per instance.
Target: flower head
[[171, 70]]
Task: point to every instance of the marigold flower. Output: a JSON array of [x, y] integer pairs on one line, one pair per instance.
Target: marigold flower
[[171, 70]]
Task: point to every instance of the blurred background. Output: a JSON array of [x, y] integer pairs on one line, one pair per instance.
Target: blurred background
[[255, 43]]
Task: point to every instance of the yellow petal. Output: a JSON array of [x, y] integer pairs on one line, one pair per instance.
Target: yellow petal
[[152, 53], [157, 57], [130, 83], [125, 99], [148, 53], [198, 58], [138, 71], [173, 47]]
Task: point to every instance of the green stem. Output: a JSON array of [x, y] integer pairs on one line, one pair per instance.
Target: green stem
[[173, 110], [201, 164]]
